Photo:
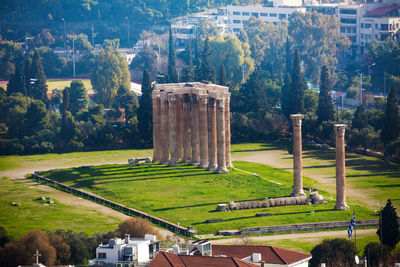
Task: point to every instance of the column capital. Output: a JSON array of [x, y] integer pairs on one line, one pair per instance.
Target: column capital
[[340, 129], [155, 94], [211, 102], [203, 99], [221, 103], [296, 119], [172, 98]]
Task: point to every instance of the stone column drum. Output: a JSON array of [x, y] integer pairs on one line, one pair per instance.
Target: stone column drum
[[221, 148], [164, 128], [187, 129], [228, 132], [180, 126], [203, 131], [212, 135], [173, 126], [297, 156], [340, 168], [156, 127], [195, 131]]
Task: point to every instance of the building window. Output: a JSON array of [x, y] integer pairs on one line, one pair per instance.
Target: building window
[[254, 14], [367, 25], [362, 35], [273, 14], [236, 21], [376, 26], [245, 13], [384, 27], [348, 11], [282, 16], [348, 21], [362, 25], [236, 13], [236, 29], [102, 255], [264, 14], [342, 29]]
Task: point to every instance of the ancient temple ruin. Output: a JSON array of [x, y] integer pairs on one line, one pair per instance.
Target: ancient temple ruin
[[191, 123]]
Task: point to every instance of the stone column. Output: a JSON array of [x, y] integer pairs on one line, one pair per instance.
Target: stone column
[[195, 131], [212, 135], [164, 128], [180, 126], [297, 156], [340, 168], [228, 132], [173, 126], [156, 127], [187, 130], [203, 131], [221, 148]]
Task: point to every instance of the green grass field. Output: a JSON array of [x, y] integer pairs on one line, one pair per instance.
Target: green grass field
[[33, 214], [189, 195], [61, 84]]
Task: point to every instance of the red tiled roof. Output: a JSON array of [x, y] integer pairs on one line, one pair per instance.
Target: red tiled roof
[[382, 11], [269, 254], [165, 259]]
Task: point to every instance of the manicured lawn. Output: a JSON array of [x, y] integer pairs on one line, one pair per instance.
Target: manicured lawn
[[33, 214], [61, 84], [189, 195]]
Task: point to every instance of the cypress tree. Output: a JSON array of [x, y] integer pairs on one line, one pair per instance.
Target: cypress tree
[[206, 71], [297, 88], [16, 83], [391, 121], [145, 110], [360, 118], [188, 74], [67, 124], [27, 76], [38, 79], [325, 109], [389, 226], [66, 101], [285, 95], [222, 76], [288, 56], [171, 59]]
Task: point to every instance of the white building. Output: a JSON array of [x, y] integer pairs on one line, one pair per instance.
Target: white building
[[128, 251]]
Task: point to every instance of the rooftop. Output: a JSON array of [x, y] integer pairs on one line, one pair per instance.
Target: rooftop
[[392, 10]]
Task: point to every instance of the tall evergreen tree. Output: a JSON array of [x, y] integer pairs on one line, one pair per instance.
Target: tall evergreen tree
[[206, 70], [188, 74], [285, 95], [389, 232], [171, 59], [38, 79], [27, 76], [297, 88], [360, 118], [16, 83], [288, 56], [79, 98], [67, 122], [391, 122], [325, 109], [222, 76], [66, 101], [145, 110]]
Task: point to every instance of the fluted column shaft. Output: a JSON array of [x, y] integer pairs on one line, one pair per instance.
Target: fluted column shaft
[[156, 127], [297, 156], [340, 168], [164, 128], [203, 131], [221, 137], [212, 135], [173, 126], [228, 132], [195, 131], [180, 127], [187, 129]]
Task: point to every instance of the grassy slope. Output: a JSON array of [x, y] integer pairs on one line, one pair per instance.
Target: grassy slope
[[189, 195], [33, 214]]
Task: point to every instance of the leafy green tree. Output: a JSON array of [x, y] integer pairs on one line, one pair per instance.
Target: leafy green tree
[[145, 111], [285, 95], [188, 72], [53, 65], [297, 87], [16, 83], [388, 231], [391, 122], [82, 44], [325, 110], [27, 75], [222, 76], [375, 254], [38, 85], [171, 59], [109, 73], [310, 101], [127, 100], [36, 118], [207, 28], [9, 52], [335, 252], [360, 118], [145, 59], [79, 98], [206, 70]]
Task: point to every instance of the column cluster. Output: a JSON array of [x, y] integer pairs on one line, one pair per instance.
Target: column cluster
[[191, 123]]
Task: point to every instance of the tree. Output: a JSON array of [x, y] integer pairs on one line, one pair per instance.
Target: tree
[[222, 76], [36, 118], [136, 227], [79, 98], [82, 44], [376, 254], [38, 87], [27, 75], [206, 70], [109, 73], [388, 231], [325, 110], [171, 59], [288, 56], [285, 97], [188, 73], [391, 122], [127, 100], [145, 111], [62, 249], [67, 122], [336, 252], [16, 83], [297, 87], [4, 237], [360, 118]]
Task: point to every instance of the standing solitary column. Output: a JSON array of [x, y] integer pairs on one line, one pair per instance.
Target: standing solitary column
[[221, 137], [212, 135], [203, 131], [156, 126], [297, 156], [340, 168], [180, 126], [173, 125], [187, 132], [164, 128], [195, 131], [228, 132]]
